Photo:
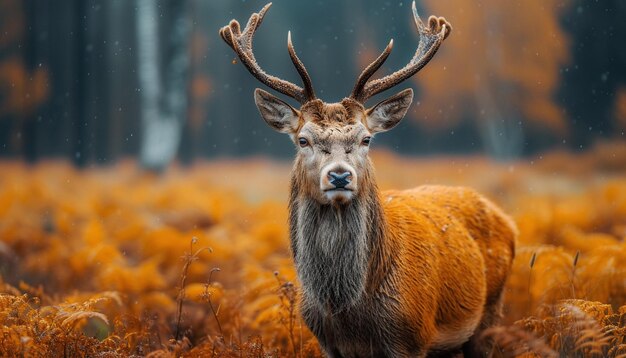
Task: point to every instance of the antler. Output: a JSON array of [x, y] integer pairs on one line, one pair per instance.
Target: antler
[[241, 43], [431, 38]]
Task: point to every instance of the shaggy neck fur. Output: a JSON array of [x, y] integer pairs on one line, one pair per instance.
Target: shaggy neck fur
[[337, 249]]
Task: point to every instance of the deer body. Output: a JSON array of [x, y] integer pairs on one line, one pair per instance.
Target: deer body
[[419, 262], [399, 273]]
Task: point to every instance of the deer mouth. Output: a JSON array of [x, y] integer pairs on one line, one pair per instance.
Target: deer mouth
[[338, 195]]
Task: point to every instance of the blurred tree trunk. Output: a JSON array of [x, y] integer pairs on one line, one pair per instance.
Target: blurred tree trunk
[[80, 85], [498, 124], [163, 88], [588, 87]]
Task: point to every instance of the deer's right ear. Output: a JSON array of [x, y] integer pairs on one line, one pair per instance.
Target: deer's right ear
[[277, 113]]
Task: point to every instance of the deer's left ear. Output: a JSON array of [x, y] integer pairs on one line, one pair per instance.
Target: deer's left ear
[[388, 113]]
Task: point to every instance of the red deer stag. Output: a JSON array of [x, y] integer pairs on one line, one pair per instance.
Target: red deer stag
[[395, 273]]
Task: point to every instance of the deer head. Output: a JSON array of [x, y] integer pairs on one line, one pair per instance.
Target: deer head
[[332, 139]]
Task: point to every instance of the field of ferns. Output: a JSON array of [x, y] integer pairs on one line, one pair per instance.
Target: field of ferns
[[115, 261]]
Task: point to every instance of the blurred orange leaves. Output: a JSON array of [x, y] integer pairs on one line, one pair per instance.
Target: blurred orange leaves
[[494, 63], [94, 258], [22, 90]]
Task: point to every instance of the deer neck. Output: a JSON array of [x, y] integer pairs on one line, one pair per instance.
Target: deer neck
[[337, 249]]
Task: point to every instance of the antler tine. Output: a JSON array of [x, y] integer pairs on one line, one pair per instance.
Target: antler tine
[[306, 79], [369, 71], [241, 43], [431, 37]]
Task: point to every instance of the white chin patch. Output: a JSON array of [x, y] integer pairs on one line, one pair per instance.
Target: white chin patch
[[338, 196]]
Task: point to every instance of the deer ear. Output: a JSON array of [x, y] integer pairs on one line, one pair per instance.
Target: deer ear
[[276, 113], [388, 113]]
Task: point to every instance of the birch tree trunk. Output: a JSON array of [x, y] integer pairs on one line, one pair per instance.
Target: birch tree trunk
[[499, 127], [163, 88]]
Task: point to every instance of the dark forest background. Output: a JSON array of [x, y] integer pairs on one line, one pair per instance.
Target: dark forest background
[[95, 81]]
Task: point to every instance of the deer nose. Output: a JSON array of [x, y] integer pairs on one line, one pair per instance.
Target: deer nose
[[340, 180]]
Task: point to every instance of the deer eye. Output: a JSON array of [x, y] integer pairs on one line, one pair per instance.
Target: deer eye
[[366, 141], [303, 142]]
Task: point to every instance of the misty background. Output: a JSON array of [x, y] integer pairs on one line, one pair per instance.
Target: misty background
[[94, 81]]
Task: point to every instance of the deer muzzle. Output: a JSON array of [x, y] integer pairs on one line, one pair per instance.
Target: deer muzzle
[[338, 182]]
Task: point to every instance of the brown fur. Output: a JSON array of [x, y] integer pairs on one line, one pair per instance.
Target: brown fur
[[398, 273], [435, 259]]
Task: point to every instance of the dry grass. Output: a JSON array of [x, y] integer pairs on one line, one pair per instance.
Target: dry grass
[[115, 262]]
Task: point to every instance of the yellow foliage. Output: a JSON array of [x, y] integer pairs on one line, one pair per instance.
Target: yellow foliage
[[200, 292], [497, 73], [92, 262]]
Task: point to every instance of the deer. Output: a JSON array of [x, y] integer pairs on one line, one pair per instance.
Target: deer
[[410, 273]]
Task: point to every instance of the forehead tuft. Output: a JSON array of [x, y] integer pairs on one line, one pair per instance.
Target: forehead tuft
[[326, 135], [333, 114]]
